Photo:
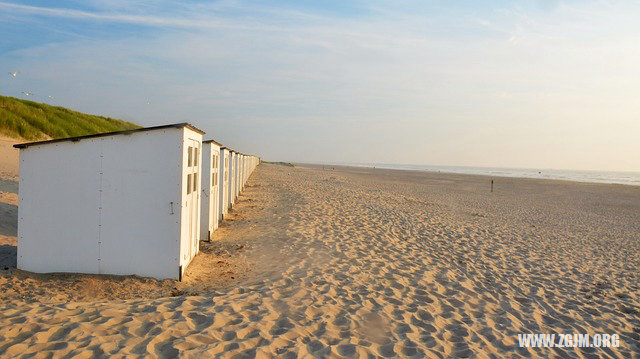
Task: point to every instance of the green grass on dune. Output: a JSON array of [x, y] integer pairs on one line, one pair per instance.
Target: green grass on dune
[[38, 121], [288, 164]]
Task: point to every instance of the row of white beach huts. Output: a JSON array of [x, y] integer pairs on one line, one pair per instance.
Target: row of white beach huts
[[129, 202]]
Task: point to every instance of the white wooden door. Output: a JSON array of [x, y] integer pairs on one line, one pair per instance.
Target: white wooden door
[[225, 187], [214, 197], [193, 191]]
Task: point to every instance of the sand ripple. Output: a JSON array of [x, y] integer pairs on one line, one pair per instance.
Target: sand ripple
[[355, 264]]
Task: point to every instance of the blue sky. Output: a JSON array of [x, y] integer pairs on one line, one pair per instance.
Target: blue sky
[[540, 84]]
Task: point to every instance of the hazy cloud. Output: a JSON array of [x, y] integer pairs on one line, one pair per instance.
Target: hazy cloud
[[543, 86]]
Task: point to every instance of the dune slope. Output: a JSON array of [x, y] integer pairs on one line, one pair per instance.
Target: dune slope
[[34, 121]]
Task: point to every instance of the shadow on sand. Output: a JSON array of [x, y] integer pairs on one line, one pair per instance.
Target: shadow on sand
[[8, 186], [8, 256], [8, 219]]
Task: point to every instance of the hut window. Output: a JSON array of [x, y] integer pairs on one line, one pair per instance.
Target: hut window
[[195, 182], [189, 182], [190, 157]]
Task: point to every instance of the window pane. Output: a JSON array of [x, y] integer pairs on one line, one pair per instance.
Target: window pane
[[188, 183], [195, 156], [189, 156], [195, 182]]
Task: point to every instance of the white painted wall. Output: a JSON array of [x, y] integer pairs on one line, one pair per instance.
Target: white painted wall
[[205, 201], [236, 179], [224, 182], [210, 194], [58, 210], [140, 180], [233, 167], [243, 174], [214, 191]]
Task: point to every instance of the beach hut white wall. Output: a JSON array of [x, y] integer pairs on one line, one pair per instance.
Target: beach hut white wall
[[232, 185], [242, 171], [237, 178], [240, 175], [246, 171], [210, 194], [225, 160], [232, 178], [117, 203]]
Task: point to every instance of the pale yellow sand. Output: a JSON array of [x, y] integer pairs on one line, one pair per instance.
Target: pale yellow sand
[[359, 262], [9, 158], [8, 199]]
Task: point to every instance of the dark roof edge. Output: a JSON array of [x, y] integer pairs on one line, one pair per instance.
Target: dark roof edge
[[212, 141], [104, 134], [192, 127]]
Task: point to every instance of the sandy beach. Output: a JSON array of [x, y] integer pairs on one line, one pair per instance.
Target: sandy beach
[[8, 158], [355, 262]]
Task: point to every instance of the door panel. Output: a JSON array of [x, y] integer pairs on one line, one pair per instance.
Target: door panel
[[193, 195]]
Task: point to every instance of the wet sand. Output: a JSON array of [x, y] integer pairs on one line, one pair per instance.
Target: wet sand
[[357, 262]]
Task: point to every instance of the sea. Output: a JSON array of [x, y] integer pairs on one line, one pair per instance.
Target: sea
[[627, 178]]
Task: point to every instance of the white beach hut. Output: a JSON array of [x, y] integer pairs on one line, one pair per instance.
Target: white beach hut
[[246, 171], [242, 169], [115, 203], [237, 178], [233, 168], [225, 162], [210, 189]]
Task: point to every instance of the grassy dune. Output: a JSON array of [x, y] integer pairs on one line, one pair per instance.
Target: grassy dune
[[288, 164], [37, 121]]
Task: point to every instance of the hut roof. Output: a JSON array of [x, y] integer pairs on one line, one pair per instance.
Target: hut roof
[[127, 132]]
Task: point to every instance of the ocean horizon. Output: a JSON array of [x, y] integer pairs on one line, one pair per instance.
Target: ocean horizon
[[611, 177]]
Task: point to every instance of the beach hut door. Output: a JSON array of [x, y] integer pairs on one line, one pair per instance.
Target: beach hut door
[[193, 180], [213, 202]]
